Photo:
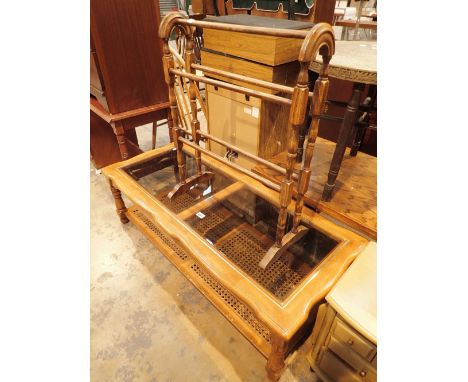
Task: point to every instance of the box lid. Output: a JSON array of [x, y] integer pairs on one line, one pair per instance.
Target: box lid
[[260, 21]]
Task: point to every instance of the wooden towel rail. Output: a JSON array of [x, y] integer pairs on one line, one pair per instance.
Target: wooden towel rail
[[235, 88], [318, 40], [246, 79]]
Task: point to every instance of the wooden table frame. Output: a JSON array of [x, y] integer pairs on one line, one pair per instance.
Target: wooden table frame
[[285, 320]]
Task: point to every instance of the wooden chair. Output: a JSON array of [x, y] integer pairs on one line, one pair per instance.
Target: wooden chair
[[319, 39]]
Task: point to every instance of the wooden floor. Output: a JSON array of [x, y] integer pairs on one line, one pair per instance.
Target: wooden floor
[[354, 200]]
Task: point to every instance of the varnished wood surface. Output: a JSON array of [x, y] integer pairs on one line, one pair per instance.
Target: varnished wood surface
[[97, 108], [355, 199], [284, 74], [129, 52]]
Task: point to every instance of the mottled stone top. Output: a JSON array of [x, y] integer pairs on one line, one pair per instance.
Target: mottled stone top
[[353, 61], [354, 296]]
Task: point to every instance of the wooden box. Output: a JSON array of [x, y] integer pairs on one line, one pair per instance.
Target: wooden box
[[263, 49], [259, 127], [247, 122], [284, 74]]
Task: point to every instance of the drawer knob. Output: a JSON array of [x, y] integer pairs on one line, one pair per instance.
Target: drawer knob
[[363, 373], [350, 342]]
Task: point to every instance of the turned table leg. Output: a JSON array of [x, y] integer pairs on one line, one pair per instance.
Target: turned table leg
[[275, 363], [121, 139], [360, 130], [119, 203], [345, 131]]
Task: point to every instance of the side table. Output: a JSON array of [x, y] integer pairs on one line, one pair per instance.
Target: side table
[[354, 61], [344, 338]]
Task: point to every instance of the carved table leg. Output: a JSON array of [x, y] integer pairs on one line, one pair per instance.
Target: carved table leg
[[345, 131], [121, 139], [119, 203], [275, 363]]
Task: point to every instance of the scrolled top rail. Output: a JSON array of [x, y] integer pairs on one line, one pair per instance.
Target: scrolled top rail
[[173, 18], [169, 21], [319, 39]]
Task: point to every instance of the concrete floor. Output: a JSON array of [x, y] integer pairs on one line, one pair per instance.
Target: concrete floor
[[149, 323]]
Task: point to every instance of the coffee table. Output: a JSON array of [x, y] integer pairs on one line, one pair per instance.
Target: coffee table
[[215, 236]]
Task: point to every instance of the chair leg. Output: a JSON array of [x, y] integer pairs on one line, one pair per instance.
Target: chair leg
[[360, 130], [369, 118], [119, 203], [346, 128], [153, 138]]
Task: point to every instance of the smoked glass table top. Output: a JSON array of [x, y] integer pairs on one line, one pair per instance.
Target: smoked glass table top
[[240, 225]]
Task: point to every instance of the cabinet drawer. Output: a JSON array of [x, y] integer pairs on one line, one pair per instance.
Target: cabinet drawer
[[363, 368], [354, 340], [337, 370]]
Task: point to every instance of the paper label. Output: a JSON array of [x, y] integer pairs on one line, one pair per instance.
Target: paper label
[[248, 110], [255, 112]]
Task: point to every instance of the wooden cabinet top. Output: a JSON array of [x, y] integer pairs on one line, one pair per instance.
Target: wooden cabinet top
[[354, 296]]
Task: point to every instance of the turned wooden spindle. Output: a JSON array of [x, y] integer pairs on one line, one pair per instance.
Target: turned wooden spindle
[[119, 132], [319, 39], [317, 108], [297, 115], [119, 203], [304, 129], [170, 126], [176, 130], [194, 122]]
